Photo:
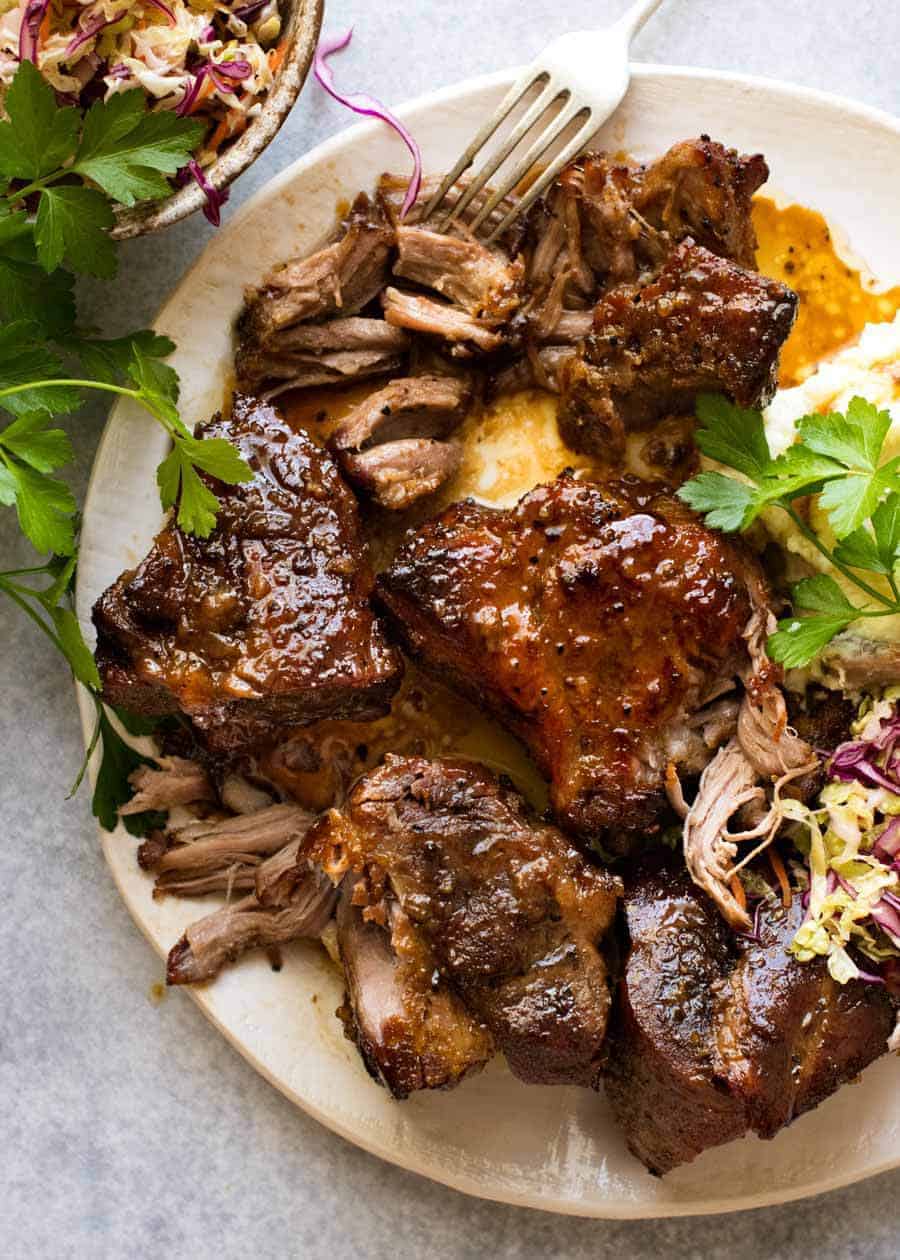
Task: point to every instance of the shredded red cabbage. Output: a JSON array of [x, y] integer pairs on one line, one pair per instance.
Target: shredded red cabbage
[[120, 71], [30, 29], [888, 919], [870, 761], [887, 846], [847, 886], [361, 103], [215, 198], [248, 11], [223, 74], [93, 28], [870, 977], [164, 9]]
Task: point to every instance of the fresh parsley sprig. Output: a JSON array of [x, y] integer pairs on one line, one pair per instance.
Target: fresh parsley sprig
[[837, 457], [48, 153], [61, 171]]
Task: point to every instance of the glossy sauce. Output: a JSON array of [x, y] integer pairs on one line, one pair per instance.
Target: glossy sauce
[[796, 246], [511, 445]]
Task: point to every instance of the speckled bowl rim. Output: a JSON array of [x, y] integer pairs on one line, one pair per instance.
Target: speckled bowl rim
[[302, 35], [854, 1135]]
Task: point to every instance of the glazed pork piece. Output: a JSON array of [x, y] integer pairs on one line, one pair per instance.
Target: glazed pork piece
[[660, 1074], [412, 1031], [715, 1035], [702, 324], [607, 222], [265, 623], [596, 623], [464, 899]]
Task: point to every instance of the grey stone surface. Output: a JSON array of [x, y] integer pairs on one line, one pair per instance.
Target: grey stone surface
[[130, 1128]]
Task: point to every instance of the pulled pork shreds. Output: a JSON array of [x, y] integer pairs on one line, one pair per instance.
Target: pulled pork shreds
[[172, 781], [727, 783], [222, 855], [296, 907]]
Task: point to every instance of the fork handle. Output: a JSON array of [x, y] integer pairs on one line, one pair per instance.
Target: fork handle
[[634, 18]]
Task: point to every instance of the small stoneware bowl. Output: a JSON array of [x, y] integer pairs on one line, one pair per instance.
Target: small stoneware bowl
[[303, 20]]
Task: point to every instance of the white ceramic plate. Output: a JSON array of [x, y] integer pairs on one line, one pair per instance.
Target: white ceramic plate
[[551, 1148]]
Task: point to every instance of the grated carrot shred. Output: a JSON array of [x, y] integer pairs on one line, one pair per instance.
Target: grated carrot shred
[[275, 56], [787, 897], [737, 891], [221, 134]]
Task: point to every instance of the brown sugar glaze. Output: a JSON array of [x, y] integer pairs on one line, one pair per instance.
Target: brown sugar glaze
[[511, 445]]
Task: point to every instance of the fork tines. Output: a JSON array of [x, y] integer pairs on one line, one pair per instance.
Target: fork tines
[[551, 93]]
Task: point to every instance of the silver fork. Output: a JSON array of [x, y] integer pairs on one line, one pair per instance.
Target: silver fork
[[585, 74]]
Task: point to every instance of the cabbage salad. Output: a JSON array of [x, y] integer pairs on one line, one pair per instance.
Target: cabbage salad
[[202, 58], [851, 841]]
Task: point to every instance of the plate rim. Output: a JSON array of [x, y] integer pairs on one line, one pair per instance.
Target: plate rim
[[321, 153]]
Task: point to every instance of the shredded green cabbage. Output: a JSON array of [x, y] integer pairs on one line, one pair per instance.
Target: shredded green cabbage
[[847, 878]]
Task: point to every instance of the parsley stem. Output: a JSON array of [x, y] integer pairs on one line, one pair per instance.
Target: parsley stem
[[75, 384], [811, 536], [15, 594], [37, 186]]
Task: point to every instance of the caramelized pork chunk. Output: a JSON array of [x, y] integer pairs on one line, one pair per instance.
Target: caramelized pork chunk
[[606, 222], [661, 1073], [411, 1029], [716, 1034], [481, 901], [703, 190], [595, 622], [787, 1035], [701, 324], [266, 622]]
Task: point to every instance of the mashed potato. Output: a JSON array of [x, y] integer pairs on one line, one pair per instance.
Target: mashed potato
[[871, 369]]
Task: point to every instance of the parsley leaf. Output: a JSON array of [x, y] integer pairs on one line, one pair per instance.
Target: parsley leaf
[[837, 458], [112, 788], [798, 471], [128, 151], [73, 223], [28, 439], [822, 594], [732, 436], [854, 439], [854, 498], [179, 481], [797, 641], [728, 504], [27, 292], [159, 385], [45, 506], [886, 524], [110, 360], [25, 360], [39, 137]]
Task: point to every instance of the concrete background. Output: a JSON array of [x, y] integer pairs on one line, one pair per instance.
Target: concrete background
[[130, 1128]]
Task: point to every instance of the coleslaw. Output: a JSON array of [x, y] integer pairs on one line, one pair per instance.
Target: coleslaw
[[851, 840], [205, 58]]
